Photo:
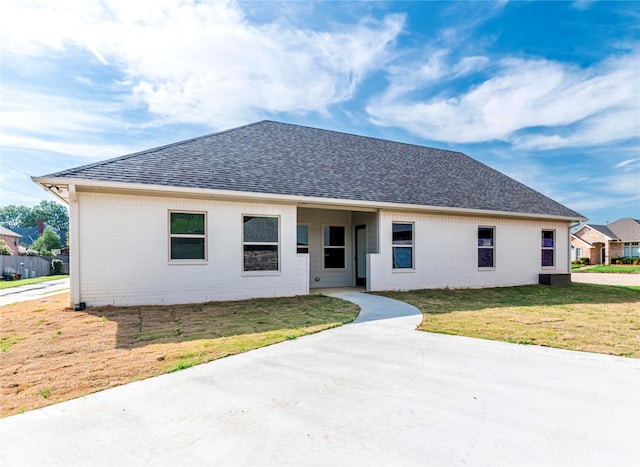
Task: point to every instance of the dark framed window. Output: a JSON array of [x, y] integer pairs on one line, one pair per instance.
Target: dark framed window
[[334, 247], [261, 243], [486, 247], [548, 245], [187, 236], [402, 245], [303, 238], [631, 249]]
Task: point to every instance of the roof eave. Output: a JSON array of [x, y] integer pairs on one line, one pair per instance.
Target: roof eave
[[53, 184]]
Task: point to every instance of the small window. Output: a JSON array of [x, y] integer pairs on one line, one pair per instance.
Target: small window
[[303, 238], [402, 245], [334, 247], [548, 248], [187, 235], [578, 253], [486, 247], [260, 242]]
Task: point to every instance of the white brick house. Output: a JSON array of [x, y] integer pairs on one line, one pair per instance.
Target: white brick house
[[272, 209]]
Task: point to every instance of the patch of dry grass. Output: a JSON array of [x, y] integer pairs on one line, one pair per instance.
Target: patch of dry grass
[[587, 317], [51, 353]]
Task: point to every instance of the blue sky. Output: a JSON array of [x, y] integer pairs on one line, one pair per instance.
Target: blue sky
[[546, 92]]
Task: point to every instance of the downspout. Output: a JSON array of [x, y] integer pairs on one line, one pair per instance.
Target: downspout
[[74, 252], [571, 227]]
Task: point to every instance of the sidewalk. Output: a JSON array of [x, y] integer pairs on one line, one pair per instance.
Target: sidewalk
[[23, 293], [605, 278]]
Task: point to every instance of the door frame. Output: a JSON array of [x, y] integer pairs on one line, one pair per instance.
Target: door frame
[[360, 281]]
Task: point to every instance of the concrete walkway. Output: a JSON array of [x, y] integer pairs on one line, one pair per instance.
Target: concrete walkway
[[23, 293], [606, 279], [375, 392]]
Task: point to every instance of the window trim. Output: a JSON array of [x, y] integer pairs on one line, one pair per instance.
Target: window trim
[[243, 243], [492, 247], [343, 247], [308, 247], [412, 246], [543, 248], [170, 236]]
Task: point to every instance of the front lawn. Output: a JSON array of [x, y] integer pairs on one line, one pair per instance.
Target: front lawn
[[587, 317], [51, 353], [621, 269]]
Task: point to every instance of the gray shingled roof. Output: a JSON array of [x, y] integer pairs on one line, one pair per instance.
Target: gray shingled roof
[[277, 158], [626, 229]]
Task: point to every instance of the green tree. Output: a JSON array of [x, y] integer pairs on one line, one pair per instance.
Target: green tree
[[54, 214], [47, 242], [50, 212], [15, 216], [5, 250]]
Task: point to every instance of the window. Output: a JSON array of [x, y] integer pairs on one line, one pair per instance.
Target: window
[[303, 238], [334, 248], [578, 253], [632, 249], [486, 247], [548, 248], [187, 235], [260, 242], [402, 245]]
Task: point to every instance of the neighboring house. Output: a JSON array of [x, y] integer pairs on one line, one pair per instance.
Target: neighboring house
[[11, 238], [273, 209], [602, 243], [31, 234]]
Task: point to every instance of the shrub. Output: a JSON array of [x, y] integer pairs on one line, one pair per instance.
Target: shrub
[[626, 260], [585, 260], [5, 250], [57, 264]]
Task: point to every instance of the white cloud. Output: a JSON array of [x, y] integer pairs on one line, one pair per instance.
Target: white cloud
[[192, 61], [534, 104], [629, 164]]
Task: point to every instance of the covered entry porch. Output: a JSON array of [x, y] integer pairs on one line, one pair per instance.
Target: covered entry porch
[[337, 242]]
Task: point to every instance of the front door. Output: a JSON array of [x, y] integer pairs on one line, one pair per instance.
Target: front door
[[361, 255], [603, 255]]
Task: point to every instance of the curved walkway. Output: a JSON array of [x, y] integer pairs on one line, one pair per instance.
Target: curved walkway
[[374, 392]]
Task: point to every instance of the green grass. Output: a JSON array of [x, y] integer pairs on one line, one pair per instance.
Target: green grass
[[587, 317], [34, 280], [8, 341], [622, 269]]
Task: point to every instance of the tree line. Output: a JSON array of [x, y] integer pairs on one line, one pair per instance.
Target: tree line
[[50, 212]]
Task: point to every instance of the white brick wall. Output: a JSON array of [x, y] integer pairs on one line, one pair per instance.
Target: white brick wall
[[123, 253], [446, 253]]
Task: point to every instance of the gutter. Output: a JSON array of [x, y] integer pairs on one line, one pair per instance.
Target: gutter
[[55, 184]]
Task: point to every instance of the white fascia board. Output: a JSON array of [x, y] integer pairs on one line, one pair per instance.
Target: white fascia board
[[581, 240], [300, 201]]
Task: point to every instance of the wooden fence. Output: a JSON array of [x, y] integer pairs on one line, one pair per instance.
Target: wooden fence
[[36, 265]]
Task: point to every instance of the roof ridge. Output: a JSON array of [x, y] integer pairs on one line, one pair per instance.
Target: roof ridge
[[375, 138]]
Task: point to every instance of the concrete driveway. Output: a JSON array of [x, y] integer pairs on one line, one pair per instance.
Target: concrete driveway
[[371, 393]]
